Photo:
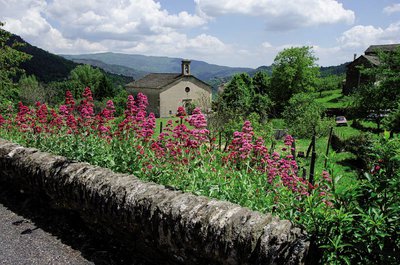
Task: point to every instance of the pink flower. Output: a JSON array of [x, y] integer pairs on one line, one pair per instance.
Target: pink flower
[[142, 101], [69, 101], [325, 175], [2, 120], [63, 110], [131, 108], [289, 140], [42, 113], [181, 112]]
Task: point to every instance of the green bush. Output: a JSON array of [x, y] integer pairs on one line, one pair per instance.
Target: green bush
[[303, 115], [360, 145]]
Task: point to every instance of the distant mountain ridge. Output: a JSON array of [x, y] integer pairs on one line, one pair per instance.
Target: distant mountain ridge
[[49, 67], [137, 66], [112, 68], [157, 64]]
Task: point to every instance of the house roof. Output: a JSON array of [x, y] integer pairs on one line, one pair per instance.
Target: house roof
[[372, 59], [156, 80], [386, 48]]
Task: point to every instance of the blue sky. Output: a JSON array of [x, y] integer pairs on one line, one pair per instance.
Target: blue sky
[[232, 32]]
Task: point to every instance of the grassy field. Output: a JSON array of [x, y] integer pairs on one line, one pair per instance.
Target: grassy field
[[333, 99], [338, 162]]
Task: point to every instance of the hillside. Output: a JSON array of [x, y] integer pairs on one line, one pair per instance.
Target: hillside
[[45, 66], [333, 70], [156, 64], [112, 68], [48, 67], [138, 65]]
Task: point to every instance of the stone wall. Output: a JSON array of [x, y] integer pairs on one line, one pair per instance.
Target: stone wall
[[165, 224]]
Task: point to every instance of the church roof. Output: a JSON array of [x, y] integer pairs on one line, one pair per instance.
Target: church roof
[[157, 80]]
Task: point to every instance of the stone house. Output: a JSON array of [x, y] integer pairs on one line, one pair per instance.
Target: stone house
[[168, 91], [354, 77]]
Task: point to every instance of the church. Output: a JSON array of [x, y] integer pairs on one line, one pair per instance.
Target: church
[[168, 91]]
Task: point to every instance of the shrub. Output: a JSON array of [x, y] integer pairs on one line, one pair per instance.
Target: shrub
[[304, 115]]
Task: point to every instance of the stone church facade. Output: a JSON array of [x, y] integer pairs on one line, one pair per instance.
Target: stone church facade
[[168, 91]]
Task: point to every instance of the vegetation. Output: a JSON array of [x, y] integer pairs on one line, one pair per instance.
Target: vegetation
[[294, 71], [356, 226], [10, 59], [304, 117], [383, 92], [350, 208]]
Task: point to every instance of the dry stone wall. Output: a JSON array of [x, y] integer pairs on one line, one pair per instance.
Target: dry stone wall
[[165, 224]]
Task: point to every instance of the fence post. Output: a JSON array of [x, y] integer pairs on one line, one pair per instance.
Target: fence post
[[313, 158], [271, 149], [327, 147], [220, 140], [293, 149], [161, 125]]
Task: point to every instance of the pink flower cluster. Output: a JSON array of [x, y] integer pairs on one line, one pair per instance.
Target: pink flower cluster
[[136, 123], [181, 143], [244, 151], [69, 118], [86, 106], [181, 112], [2, 120]]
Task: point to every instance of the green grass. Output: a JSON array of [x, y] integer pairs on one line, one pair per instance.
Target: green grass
[[332, 99], [278, 123], [339, 163], [163, 122]]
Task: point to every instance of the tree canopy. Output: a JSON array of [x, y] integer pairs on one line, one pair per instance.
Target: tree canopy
[[10, 59], [87, 76], [294, 70], [303, 115]]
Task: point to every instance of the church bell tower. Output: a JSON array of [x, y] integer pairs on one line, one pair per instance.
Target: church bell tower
[[185, 67]]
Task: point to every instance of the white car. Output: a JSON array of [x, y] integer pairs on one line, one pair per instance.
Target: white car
[[341, 121]]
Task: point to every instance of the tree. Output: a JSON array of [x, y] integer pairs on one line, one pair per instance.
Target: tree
[[85, 76], [329, 82], [203, 101], [392, 121], [261, 102], [261, 82], [294, 70], [104, 88], [10, 59], [303, 115], [236, 97], [31, 91]]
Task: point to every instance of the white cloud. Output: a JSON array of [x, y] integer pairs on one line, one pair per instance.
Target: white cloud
[[394, 8], [363, 36], [104, 25], [281, 14], [122, 19], [266, 45]]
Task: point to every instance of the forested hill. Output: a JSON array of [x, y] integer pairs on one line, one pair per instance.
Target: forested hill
[[157, 64], [333, 70], [138, 65], [113, 68], [45, 66], [48, 67]]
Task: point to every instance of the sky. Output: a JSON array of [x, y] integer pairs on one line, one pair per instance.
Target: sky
[[245, 33]]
